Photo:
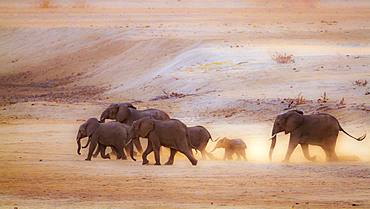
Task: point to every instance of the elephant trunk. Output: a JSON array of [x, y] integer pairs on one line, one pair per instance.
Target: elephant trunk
[[273, 141], [78, 139], [103, 116]]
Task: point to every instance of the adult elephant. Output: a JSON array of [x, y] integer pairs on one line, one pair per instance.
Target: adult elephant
[[168, 133], [317, 129], [232, 146], [113, 134], [102, 149], [199, 138], [128, 113]]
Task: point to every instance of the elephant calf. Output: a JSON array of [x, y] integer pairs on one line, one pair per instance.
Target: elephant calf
[[199, 137], [170, 133], [232, 146], [113, 134]]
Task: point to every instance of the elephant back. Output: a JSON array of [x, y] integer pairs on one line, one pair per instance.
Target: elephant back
[[156, 114], [238, 143]]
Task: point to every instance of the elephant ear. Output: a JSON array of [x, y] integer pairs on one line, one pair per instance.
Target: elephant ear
[[123, 113], [91, 125], [293, 121], [131, 106], [146, 126]]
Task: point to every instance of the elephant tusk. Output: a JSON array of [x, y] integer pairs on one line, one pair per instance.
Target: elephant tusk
[[129, 141], [272, 137]]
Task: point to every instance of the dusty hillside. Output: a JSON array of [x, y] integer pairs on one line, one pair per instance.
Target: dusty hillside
[[213, 63]]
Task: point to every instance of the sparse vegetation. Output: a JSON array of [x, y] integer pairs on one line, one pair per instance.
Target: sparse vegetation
[[323, 98], [360, 83], [283, 58], [170, 95], [294, 102]]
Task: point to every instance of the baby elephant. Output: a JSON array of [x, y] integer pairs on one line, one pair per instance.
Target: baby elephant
[[232, 146], [170, 133], [113, 134]]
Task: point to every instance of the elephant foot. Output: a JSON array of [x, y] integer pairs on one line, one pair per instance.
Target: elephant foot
[[87, 159], [145, 162], [169, 163], [194, 162], [313, 159], [124, 158], [157, 163], [106, 156]]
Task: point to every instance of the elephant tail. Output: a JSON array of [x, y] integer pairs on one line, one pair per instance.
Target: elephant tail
[[210, 137], [358, 139]]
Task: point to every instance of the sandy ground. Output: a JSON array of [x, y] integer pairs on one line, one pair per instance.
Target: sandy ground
[[67, 61]]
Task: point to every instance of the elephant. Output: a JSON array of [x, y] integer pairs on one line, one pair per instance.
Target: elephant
[[232, 146], [319, 129], [100, 147], [170, 133], [127, 113], [199, 137], [112, 134]]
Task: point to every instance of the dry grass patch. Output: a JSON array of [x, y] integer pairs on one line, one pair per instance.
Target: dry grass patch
[[360, 83], [283, 58]]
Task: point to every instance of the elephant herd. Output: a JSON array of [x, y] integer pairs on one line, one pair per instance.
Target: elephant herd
[[128, 124]]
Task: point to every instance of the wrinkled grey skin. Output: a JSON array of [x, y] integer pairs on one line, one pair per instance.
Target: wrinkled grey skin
[[199, 137], [317, 129], [113, 134], [102, 148], [232, 146], [127, 113], [168, 133]]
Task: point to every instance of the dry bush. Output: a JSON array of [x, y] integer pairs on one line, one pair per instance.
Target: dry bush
[[45, 4], [297, 101], [323, 98], [170, 95], [342, 101], [283, 58], [360, 83]]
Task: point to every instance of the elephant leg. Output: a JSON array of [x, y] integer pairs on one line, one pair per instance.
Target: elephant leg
[[124, 156], [102, 152], [127, 149], [172, 157], [204, 154], [226, 154], [306, 153], [190, 156], [238, 154], [96, 153], [148, 150], [230, 155], [210, 155], [291, 147], [156, 148], [330, 154], [119, 153], [138, 145], [91, 149], [243, 154]]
